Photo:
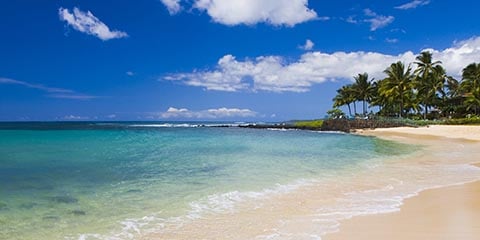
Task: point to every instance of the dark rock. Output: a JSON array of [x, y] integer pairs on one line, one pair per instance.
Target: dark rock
[[79, 213], [134, 191], [51, 218], [275, 126], [340, 124], [27, 205], [344, 125], [64, 199]]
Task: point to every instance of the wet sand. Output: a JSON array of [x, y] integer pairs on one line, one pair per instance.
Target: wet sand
[[443, 213]]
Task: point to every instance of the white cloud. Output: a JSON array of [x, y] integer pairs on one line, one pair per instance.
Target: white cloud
[[130, 73], [458, 56], [87, 23], [34, 86], [73, 96], [351, 19], [250, 12], [112, 116], [229, 76], [368, 12], [173, 6], [52, 92], [210, 113], [398, 30], [308, 45], [391, 40], [413, 4], [275, 74], [324, 18], [74, 118], [377, 21]]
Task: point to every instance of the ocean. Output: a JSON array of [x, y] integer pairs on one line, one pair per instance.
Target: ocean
[[149, 180]]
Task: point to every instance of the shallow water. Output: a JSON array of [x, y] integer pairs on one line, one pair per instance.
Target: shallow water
[[139, 180]]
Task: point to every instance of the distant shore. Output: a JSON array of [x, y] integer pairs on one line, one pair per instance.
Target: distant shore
[[443, 213]]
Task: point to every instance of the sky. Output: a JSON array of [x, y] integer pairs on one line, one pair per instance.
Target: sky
[[214, 60]]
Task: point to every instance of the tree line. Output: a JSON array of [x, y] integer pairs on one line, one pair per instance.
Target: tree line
[[424, 92]]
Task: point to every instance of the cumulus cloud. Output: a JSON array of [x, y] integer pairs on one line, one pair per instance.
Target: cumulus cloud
[[210, 113], [229, 76], [74, 118], [52, 91], [87, 23], [308, 45], [458, 56], [173, 6], [377, 21], [413, 4], [275, 74], [250, 12]]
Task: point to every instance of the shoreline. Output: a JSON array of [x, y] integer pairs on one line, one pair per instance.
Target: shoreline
[[325, 207], [441, 213], [449, 212]]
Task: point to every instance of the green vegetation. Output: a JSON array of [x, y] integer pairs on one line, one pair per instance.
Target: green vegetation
[[308, 124], [464, 121], [335, 113], [420, 92]]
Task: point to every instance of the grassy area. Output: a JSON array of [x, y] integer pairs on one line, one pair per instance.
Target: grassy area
[[464, 121], [454, 121], [475, 120], [309, 124]]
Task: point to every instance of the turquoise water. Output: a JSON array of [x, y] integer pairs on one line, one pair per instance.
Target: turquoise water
[[88, 181]]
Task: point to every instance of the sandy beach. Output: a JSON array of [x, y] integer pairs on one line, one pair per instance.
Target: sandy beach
[[412, 135], [443, 213]]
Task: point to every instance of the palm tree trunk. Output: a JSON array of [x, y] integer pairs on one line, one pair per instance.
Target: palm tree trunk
[[364, 112], [355, 108], [349, 110], [426, 111], [401, 106]]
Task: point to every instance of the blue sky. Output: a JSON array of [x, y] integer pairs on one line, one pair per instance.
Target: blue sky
[[265, 60]]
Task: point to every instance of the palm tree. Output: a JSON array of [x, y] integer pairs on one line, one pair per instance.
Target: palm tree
[[471, 86], [425, 78], [376, 99], [397, 86], [344, 97], [363, 90], [453, 97], [439, 86]]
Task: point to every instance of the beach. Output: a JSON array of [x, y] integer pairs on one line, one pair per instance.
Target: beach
[[423, 197], [443, 213], [166, 181]]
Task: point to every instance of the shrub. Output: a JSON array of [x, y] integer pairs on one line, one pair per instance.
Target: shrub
[[312, 124]]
